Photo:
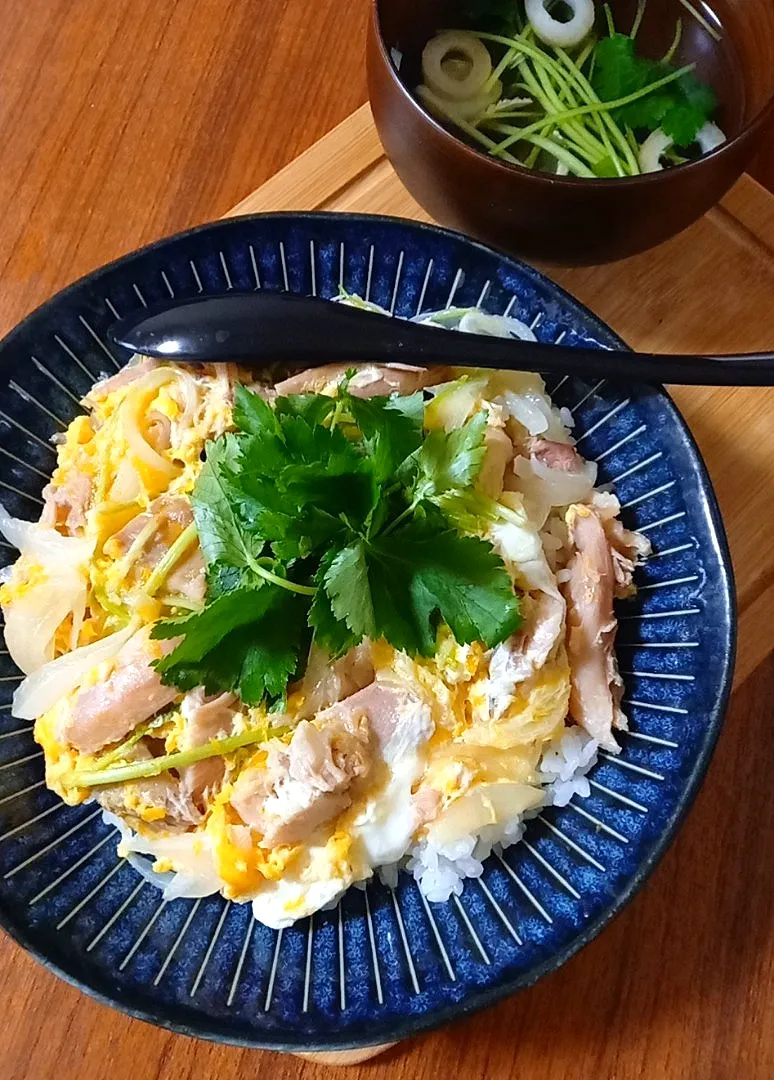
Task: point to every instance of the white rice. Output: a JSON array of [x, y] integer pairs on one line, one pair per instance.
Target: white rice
[[440, 871]]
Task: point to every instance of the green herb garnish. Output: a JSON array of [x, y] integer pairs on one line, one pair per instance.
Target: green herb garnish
[[581, 103], [104, 774], [320, 516], [679, 108]]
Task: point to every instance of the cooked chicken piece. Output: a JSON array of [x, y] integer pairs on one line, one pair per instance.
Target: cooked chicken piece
[[524, 653], [65, 506], [206, 719], [133, 693], [628, 549], [325, 682], [141, 802], [399, 720], [499, 455], [381, 704], [172, 514], [426, 802], [124, 377], [306, 783], [556, 455], [371, 380], [596, 686], [188, 579]]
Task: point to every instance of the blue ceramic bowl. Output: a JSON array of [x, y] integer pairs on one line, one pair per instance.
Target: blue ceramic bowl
[[384, 964]]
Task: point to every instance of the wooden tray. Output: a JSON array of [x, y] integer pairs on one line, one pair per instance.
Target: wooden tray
[[710, 289]]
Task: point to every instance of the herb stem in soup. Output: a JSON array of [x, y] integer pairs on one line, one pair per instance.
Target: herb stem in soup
[[552, 94]]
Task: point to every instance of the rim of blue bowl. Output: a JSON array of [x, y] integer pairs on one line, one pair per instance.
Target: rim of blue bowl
[[132, 1004]]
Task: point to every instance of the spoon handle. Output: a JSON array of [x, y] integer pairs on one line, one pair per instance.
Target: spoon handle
[[261, 328]]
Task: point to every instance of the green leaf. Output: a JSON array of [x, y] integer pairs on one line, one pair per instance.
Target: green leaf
[[399, 586], [202, 630], [332, 633], [391, 432], [274, 647], [451, 460], [459, 578], [247, 641], [314, 408], [253, 414], [680, 108], [690, 111], [215, 499], [346, 582], [618, 71]]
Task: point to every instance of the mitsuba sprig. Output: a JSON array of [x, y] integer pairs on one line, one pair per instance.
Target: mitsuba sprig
[[321, 516]]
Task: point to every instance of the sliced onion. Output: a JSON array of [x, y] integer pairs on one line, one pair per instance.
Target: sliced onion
[[41, 544], [554, 486], [534, 412], [656, 144], [485, 804], [133, 413], [521, 548], [504, 326], [190, 393], [40, 691], [562, 34], [710, 137], [456, 82], [33, 617], [194, 873]]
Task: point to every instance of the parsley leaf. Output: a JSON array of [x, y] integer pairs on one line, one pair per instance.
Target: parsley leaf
[[320, 515], [390, 432], [222, 536], [690, 110], [346, 582], [680, 108], [398, 586], [329, 631], [247, 640], [450, 460]]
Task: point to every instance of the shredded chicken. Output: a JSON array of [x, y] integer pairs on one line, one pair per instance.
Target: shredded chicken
[[133, 693], [325, 681], [371, 380], [596, 686], [160, 803], [556, 455], [399, 719], [306, 783], [518, 658], [172, 514], [124, 377], [65, 505], [627, 549], [207, 718]]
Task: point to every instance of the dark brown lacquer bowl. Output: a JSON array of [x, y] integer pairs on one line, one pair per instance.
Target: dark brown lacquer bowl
[[561, 220]]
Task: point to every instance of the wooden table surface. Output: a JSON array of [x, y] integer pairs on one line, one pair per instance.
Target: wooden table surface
[[125, 120]]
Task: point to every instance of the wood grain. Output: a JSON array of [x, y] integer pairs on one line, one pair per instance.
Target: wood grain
[[124, 121]]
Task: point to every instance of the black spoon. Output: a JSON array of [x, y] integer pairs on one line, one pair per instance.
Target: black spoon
[[260, 328]]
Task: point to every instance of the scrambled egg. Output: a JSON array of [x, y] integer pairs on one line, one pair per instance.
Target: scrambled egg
[[469, 768]]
